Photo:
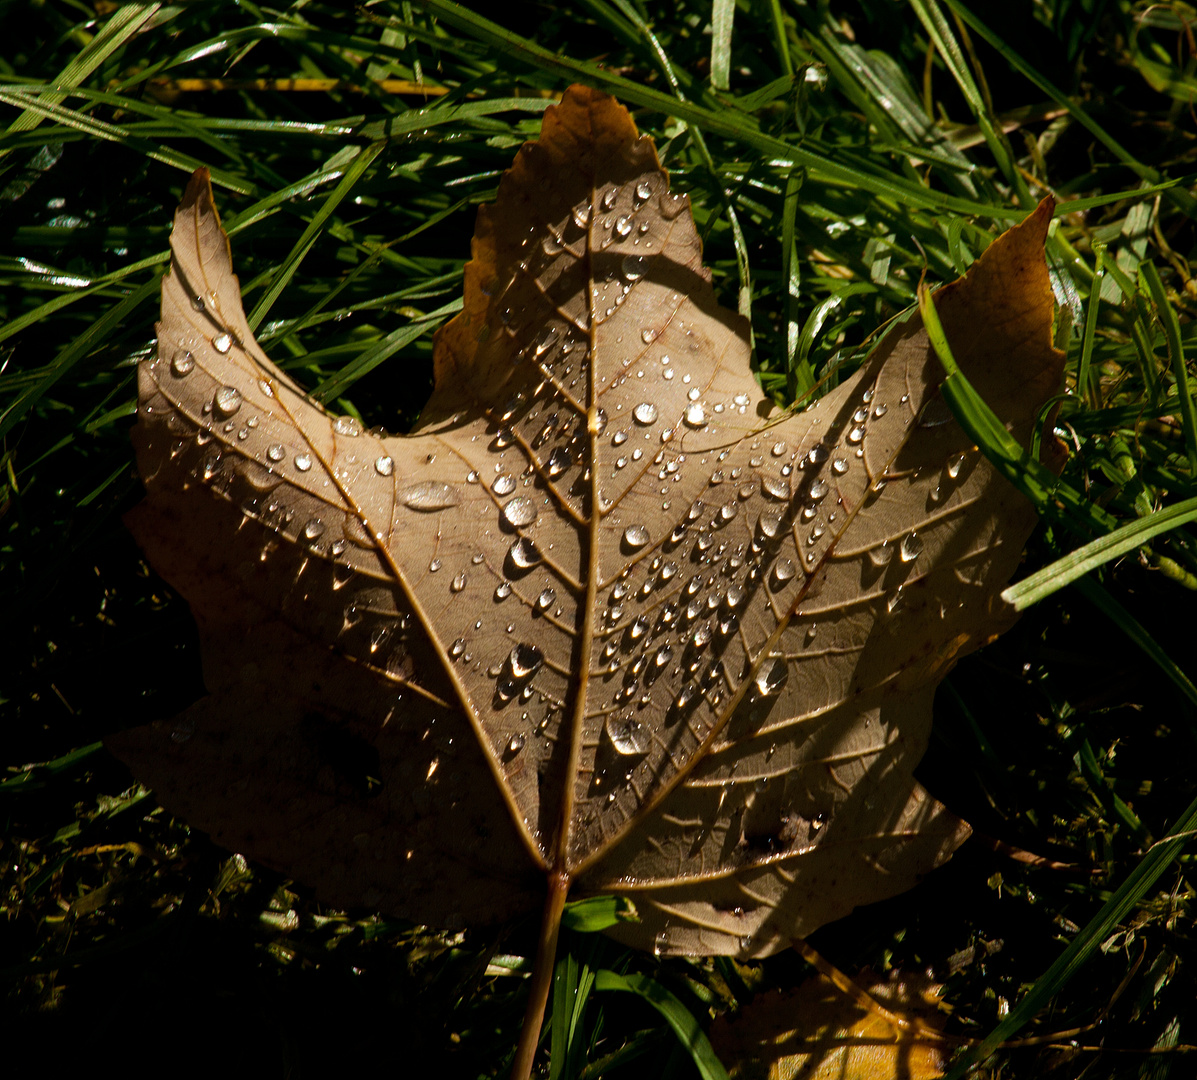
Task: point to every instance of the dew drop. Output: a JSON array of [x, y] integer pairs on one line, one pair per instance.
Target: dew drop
[[783, 571], [303, 462], [643, 190], [635, 536], [227, 401], [276, 452], [623, 227], [855, 436], [881, 556], [384, 465], [348, 426], [879, 410], [839, 466], [182, 363], [772, 676], [954, 465], [524, 660], [314, 529], [457, 648], [502, 590], [608, 199], [428, 496], [910, 548], [519, 512], [524, 553], [728, 511], [628, 736], [222, 343], [633, 267], [458, 583], [818, 489], [776, 488], [645, 413], [434, 566], [515, 744], [817, 455], [559, 460], [545, 600], [769, 524], [504, 484]]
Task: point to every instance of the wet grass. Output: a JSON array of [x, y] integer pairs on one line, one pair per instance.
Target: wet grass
[[830, 156]]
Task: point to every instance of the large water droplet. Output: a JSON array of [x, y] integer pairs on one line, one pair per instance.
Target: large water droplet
[[429, 496], [695, 416], [222, 343], [627, 735], [910, 548], [384, 465], [314, 529], [818, 489], [839, 466], [276, 451], [817, 455], [458, 583], [559, 460], [856, 435], [227, 401], [623, 227], [776, 487], [545, 600], [783, 571], [955, 464], [635, 536], [772, 676], [881, 556], [645, 413], [523, 660], [609, 197], [182, 363], [524, 553], [515, 744], [349, 426], [457, 648], [769, 524], [303, 462], [633, 267], [504, 484], [519, 512]]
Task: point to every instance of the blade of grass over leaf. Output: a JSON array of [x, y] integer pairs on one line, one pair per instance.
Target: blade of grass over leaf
[[1096, 553], [723, 12]]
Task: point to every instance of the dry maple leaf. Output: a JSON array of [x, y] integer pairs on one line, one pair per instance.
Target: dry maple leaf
[[817, 1032], [605, 616]]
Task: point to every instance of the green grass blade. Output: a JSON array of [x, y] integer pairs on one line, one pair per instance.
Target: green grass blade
[[723, 12], [125, 22], [1097, 552], [1085, 944], [361, 161], [676, 1015], [1176, 353]]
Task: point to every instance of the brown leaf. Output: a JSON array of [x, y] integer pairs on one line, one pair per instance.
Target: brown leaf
[[817, 1032], [605, 615]]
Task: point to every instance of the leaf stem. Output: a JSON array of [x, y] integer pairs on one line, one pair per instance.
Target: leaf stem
[[542, 976]]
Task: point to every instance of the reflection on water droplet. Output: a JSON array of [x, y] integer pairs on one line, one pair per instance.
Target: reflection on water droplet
[[303, 462], [817, 455], [457, 648], [881, 556], [635, 536], [458, 583], [504, 484], [182, 363], [227, 401], [695, 416], [728, 511], [910, 548], [427, 497], [879, 410], [839, 466], [783, 571], [608, 199], [314, 529], [545, 600], [628, 736], [515, 744], [349, 426], [818, 489], [502, 590], [643, 190], [276, 452], [776, 488], [633, 267], [623, 227], [855, 435], [519, 512], [524, 553], [772, 676], [222, 343], [955, 464], [524, 660], [434, 566], [559, 460]]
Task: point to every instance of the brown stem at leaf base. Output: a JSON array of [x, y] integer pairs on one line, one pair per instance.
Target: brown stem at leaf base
[[542, 976]]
